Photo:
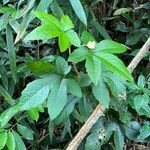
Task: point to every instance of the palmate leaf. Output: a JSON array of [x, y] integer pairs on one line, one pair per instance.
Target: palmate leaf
[[11, 144], [3, 139], [57, 98]]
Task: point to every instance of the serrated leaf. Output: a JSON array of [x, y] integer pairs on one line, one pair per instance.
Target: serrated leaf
[[93, 68], [101, 93], [36, 93], [19, 142], [78, 55], [114, 64], [73, 38], [77, 6], [3, 139], [64, 43], [43, 32], [73, 87], [109, 46], [25, 132], [66, 23], [57, 98], [11, 144]]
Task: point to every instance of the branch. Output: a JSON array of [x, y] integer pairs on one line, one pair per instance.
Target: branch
[[98, 112]]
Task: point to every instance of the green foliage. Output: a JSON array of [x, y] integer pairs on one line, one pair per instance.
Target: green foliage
[[59, 59]]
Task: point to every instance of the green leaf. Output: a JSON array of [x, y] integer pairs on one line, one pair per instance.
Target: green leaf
[[25, 132], [144, 132], [8, 114], [3, 137], [114, 64], [119, 139], [44, 32], [141, 81], [11, 52], [66, 23], [67, 110], [11, 144], [36, 93], [73, 38], [109, 46], [6, 95], [101, 93], [64, 43], [41, 67], [48, 19], [92, 142], [19, 142], [121, 11], [77, 7], [141, 101], [57, 98], [86, 37], [33, 113], [62, 66], [78, 55], [100, 29], [93, 68], [73, 87]]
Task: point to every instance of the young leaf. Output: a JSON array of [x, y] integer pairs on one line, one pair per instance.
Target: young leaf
[[63, 42], [3, 139], [66, 23], [19, 142], [101, 93], [109, 46], [114, 64], [33, 113], [11, 144], [77, 6], [57, 98], [78, 55], [73, 87], [25, 132], [43, 32], [141, 81], [73, 38], [93, 68], [48, 19]]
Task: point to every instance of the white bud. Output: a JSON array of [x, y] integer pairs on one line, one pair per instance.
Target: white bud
[[91, 44]]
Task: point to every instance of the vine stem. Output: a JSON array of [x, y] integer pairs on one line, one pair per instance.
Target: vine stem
[[99, 110], [74, 65]]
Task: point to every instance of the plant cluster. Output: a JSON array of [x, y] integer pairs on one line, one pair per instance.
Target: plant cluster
[[59, 59]]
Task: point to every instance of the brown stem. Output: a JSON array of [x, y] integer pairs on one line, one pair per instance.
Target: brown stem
[[74, 65], [98, 112]]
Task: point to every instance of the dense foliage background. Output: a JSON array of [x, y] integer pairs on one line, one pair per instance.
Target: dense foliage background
[[55, 69]]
